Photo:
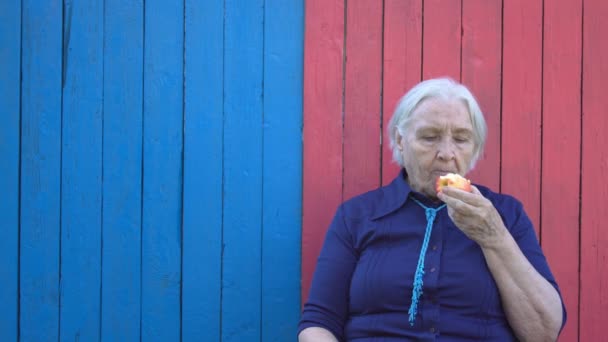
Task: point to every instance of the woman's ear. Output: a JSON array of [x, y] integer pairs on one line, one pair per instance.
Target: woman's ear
[[399, 140]]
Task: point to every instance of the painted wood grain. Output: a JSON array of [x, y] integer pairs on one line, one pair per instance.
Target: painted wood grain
[[561, 143], [122, 170], [362, 103], [81, 156], [162, 171], [521, 103], [282, 169], [323, 75], [203, 170], [402, 66], [241, 152], [40, 170], [10, 93], [243, 160], [441, 39], [481, 73], [594, 192]]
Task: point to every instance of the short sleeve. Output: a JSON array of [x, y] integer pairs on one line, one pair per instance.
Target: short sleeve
[[523, 232], [328, 303]]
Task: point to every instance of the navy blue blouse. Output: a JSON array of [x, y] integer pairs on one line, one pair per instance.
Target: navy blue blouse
[[362, 285]]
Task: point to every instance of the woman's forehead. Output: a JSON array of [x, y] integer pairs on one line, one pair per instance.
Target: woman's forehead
[[439, 114], [440, 105]]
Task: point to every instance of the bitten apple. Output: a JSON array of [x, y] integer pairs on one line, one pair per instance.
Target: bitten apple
[[454, 180]]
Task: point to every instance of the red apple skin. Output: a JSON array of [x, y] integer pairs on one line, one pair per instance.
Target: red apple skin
[[453, 180]]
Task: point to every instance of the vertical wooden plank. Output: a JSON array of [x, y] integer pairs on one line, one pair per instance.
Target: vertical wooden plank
[[481, 64], [40, 170], [322, 179], [162, 174], [81, 171], [521, 103], [561, 149], [203, 135], [282, 165], [594, 240], [122, 170], [243, 144], [362, 104], [402, 66], [10, 92], [441, 39]]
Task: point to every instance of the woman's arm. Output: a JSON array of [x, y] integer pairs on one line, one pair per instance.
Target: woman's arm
[[315, 334], [532, 305], [327, 306]]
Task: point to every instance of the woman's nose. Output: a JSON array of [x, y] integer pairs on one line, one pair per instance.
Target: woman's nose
[[445, 150]]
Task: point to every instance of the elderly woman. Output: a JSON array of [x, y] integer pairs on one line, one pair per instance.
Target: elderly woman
[[407, 263]]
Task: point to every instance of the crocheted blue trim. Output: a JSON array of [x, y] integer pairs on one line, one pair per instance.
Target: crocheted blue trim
[[431, 213]]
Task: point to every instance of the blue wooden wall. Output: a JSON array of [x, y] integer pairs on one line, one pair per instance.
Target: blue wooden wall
[[150, 169]]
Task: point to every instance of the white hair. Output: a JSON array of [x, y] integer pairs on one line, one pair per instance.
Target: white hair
[[445, 88]]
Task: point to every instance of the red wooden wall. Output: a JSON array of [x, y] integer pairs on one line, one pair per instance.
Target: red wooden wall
[[538, 70]]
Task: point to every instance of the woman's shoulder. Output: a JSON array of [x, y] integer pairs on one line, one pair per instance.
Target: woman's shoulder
[[369, 204], [505, 203], [498, 198]]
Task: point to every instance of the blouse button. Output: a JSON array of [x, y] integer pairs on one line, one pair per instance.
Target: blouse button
[[432, 269], [432, 330], [435, 247]]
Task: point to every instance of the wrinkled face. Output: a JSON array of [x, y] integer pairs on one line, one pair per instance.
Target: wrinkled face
[[439, 140]]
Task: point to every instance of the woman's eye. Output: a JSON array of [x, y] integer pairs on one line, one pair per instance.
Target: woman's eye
[[429, 138], [461, 139]]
